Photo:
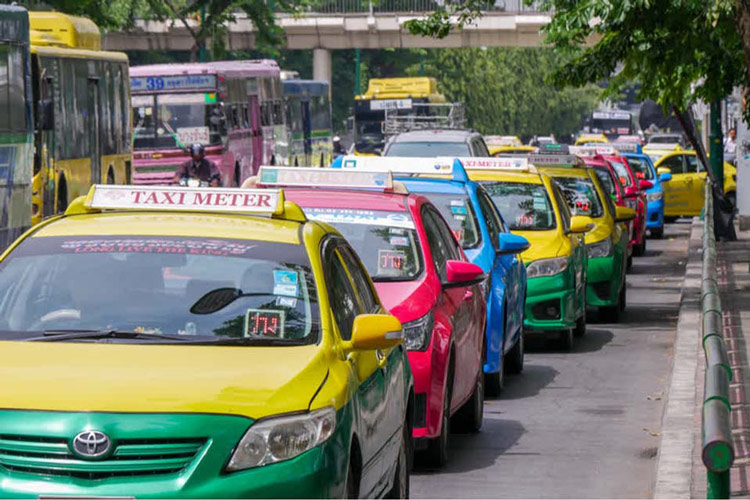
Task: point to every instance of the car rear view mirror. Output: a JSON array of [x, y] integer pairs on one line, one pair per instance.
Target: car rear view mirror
[[509, 243], [665, 177], [459, 273], [624, 214], [375, 331], [215, 300], [644, 184], [580, 224]]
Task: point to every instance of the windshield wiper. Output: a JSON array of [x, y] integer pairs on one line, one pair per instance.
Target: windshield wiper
[[63, 335]]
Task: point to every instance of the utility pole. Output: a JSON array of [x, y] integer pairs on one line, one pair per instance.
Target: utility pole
[[723, 209], [202, 56], [357, 81]]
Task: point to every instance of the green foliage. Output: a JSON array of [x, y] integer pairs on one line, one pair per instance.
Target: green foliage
[[506, 92], [439, 23]]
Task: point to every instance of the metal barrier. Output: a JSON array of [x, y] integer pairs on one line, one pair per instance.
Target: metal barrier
[[718, 447], [410, 6]]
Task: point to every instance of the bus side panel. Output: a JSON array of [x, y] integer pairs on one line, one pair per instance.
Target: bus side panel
[[15, 186]]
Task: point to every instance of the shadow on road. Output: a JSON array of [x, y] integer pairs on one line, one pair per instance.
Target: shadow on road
[[470, 452], [527, 385], [593, 341]]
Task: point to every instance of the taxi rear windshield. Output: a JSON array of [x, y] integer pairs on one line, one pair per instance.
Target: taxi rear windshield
[[193, 289], [622, 172], [458, 212], [607, 180], [386, 242], [641, 168], [523, 206], [581, 196], [418, 149]]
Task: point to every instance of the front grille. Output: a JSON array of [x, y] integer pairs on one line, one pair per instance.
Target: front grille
[[549, 309], [601, 289], [130, 457], [420, 410]]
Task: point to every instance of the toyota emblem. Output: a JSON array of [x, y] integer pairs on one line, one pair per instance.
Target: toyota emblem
[[91, 444]]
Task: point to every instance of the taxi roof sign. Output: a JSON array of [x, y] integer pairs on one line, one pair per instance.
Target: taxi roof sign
[[496, 163], [325, 178], [407, 166], [627, 147], [185, 199], [555, 160], [592, 150]]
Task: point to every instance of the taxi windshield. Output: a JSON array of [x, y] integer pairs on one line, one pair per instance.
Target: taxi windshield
[[524, 206], [641, 168], [581, 196], [458, 212], [622, 172], [386, 242], [418, 149], [197, 289], [607, 180]]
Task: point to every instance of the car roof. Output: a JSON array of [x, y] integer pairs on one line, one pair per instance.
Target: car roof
[[186, 224], [434, 135], [340, 198], [434, 185], [505, 176], [565, 172]]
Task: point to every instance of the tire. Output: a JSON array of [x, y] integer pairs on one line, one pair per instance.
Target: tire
[[580, 329], [566, 340], [640, 250], [351, 488], [514, 360], [494, 382], [401, 479], [630, 261], [611, 314], [658, 233], [437, 448], [471, 414], [670, 220]]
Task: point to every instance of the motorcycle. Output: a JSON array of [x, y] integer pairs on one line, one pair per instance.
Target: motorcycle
[[192, 182]]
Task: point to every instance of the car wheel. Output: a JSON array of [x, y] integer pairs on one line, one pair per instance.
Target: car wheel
[[732, 197], [670, 220], [623, 302], [580, 329], [566, 340], [611, 314], [640, 249], [514, 361], [437, 449], [400, 488], [351, 488], [658, 233], [630, 261], [471, 415], [494, 383]]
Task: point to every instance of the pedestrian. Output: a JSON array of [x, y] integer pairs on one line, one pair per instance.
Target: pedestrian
[[730, 146]]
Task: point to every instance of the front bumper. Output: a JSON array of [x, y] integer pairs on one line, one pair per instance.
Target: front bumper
[[317, 473], [550, 302], [655, 214], [603, 281], [429, 369]]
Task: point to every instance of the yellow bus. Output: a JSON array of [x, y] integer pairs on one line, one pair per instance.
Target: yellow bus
[[399, 94], [82, 104]]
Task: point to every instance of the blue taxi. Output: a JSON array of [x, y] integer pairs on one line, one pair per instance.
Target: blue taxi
[[485, 238]]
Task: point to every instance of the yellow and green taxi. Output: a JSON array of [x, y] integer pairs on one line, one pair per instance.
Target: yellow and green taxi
[[188, 342], [607, 242], [684, 193], [533, 207], [584, 139]]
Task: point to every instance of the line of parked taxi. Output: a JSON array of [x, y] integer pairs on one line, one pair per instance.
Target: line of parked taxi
[[308, 335]]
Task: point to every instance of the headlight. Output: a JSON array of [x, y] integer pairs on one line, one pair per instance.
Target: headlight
[[417, 333], [546, 267], [282, 438], [655, 196], [600, 249]]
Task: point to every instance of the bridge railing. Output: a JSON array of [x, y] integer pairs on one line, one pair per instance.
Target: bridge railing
[[718, 447], [334, 7]]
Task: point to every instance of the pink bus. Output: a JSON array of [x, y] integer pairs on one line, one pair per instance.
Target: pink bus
[[216, 104]]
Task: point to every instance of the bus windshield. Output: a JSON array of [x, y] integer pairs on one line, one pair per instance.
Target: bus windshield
[[165, 121]]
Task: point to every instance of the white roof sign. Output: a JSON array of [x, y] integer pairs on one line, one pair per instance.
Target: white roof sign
[[399, 165], [325, 177], [497, 163]]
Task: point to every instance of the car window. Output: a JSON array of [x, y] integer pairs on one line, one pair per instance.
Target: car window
[[563, 207], [607, 180], [458, 211], [622, 172], [340, 292], [674, 163], [481, 147], [438, 247], [454, 251], [525, 206], [420, 149], [641, 168], [581, 195], [493, 224], [691, 164], [359, 276]]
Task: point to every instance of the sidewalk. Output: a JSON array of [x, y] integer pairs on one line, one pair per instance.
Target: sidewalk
[[680, 470]]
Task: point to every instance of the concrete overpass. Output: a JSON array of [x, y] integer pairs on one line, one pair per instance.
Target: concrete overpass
[[517, 26]]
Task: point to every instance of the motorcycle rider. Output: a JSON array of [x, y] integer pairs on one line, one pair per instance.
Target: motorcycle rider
[[198, 167]]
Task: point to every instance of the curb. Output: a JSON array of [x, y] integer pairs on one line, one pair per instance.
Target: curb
[[674, 463]]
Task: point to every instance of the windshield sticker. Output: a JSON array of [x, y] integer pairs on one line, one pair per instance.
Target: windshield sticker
[[396, 230], [264, 323], [285, 283], [399, 241], [368, 217], [457, 203], [286, 302], [157, 246], [390, 261], [458, 210]]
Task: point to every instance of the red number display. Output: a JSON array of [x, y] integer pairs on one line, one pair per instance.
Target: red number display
[[264, 323], [391, 260]]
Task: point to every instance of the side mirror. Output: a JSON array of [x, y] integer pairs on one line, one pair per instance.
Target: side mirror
[[511, 243], [644, 184], [46, 114], [665, 177], [375, 331], [459, 273], [631, 192], [624, 214], [664, 170], [580, 224]]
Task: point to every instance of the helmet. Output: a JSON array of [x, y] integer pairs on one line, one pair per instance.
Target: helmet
[[197, 149]]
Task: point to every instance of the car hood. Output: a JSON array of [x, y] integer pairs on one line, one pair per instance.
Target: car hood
[[249, 381], [407, 300], [544, 244]]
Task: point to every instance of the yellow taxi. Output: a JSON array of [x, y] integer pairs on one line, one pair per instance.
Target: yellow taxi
[[534, 207], [511, 150], [194, 343], [684, 194], [584, 139], [607, 242]]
